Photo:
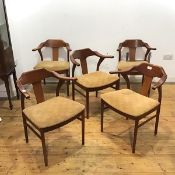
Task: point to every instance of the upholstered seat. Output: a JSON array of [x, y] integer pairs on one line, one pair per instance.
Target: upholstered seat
[[53, 111], [128, 64], [53, 65], [129, 102], [96, 79]]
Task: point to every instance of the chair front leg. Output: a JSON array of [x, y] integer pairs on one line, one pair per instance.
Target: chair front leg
[[25, 128], [102, 111], [44, 148], [135, 136], [87, 104], [157, 121]]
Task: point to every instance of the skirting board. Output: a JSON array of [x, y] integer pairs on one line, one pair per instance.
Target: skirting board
[[3, 92]]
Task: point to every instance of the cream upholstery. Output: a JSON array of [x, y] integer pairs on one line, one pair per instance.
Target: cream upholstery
[[53, 111], [127, 64], [129, 102], [96, 79], [53, 65]]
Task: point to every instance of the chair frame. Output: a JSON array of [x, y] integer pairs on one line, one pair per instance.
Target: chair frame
[[155, 71], [55, 44], [132, 44], [34, 77], [82, 55]]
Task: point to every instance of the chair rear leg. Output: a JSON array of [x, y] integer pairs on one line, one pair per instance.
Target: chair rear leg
[[87, 104], [118, 83], [67, 74], [44, 80], [117, 86], [135, 136], [83, 127], [157, 121], [25, 129], [102, 112], [96, 93], [73, 91], [44, 149]]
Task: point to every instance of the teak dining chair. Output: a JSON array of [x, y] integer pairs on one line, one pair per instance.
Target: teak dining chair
[[133, 105], [47, 115], [93, 81], [55, 63], [131, 57]]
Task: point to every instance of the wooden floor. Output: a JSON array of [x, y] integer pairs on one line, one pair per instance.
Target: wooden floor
[[107, 153]]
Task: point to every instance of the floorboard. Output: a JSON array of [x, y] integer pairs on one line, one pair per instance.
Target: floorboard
[[103, 153]]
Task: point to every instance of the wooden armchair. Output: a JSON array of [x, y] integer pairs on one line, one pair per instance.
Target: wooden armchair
[[131, 58], [93, 81], [133, 105], [54, 63], [47, 115]]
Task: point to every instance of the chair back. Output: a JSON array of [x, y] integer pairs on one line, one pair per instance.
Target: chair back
[[55, 45], [132, 45], [150, 71], [35, 77], [82, 55]]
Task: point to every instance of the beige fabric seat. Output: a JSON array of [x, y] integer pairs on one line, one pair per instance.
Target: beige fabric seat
[[129, 102], [96, 79], [53, 65], [127, 64], [53, 111]]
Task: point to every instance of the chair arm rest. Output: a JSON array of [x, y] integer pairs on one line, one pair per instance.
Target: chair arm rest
[[68, 47], [74, 61], [148, 47], [22, 90], [103, 56], [119, 47], [159, 83], [58, 76], [39, 47]]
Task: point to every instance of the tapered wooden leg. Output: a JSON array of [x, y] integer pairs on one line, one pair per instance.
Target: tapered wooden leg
[[60, 83], [118, 83], [25, 129], [157, 121], [44, 80], [15, 79], [44, 149], [83, 127], [117, 86], [67, 74], [135, 136], [8, 91], [73, 91], [96, 93], [102, 111], [87, 104]]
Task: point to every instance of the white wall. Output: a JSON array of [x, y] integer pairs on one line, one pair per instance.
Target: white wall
[[98, 24]]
